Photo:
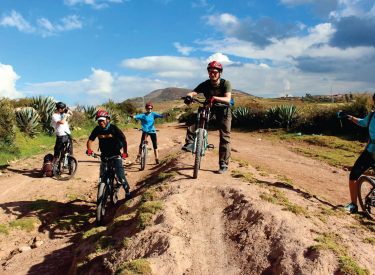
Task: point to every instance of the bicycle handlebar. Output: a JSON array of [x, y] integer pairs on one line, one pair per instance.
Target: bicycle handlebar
[[140, 129], [203, 102], [97, 155]]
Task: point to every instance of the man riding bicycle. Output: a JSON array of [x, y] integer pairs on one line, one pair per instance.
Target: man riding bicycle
[[111, 141], [215, 89], [148, 127], [365, 160], [60, 124]]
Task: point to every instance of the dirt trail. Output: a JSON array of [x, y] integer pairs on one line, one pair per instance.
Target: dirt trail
[[205, 222]]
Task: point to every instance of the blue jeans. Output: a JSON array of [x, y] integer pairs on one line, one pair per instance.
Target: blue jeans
[[120, 173]]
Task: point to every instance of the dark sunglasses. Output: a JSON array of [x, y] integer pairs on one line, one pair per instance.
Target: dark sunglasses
[[213, 72]]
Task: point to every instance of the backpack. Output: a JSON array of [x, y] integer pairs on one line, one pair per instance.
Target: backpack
[[47, 169]]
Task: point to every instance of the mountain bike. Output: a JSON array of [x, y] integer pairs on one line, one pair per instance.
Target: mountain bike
[[108, 187], [66, 165], [366, 195], [144, 149], [201, 144]]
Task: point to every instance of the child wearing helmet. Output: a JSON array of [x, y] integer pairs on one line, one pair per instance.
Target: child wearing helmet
[[148, 127]]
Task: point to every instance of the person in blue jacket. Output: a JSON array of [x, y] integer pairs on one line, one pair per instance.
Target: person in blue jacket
[[365, 160], [148, 127]]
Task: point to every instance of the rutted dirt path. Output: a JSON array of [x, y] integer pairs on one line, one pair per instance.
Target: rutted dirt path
[[205, 224]]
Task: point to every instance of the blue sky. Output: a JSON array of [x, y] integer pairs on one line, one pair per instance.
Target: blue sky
[[89, 51]]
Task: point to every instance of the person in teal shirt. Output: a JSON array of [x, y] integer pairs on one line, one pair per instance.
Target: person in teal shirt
[[365, 160], [148, 127]]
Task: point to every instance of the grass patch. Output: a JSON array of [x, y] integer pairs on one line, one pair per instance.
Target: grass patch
[[104, 243], [241, 162], [370, 240], [4, 229], [164, 176], [40, 205], [278, 197], [146, 211], [169, 158], [135, 267], [28, 224], [347, 265], [149, 195], [126, 242], [285, 180], [74, 221], [95, 231], [245, 176]]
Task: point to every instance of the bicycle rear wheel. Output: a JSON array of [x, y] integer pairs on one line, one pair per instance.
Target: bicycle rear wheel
[[198, 152], [143, 157], [102, 199], [366, 196]]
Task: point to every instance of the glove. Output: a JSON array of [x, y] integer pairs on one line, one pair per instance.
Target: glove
[[342, 115], [188, 100], [124, 155], [89, 152]]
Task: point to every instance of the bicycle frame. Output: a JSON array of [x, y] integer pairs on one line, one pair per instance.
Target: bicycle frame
[[203, 118]]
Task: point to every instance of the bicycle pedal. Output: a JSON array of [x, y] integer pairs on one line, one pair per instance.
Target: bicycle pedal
[[210, 146]]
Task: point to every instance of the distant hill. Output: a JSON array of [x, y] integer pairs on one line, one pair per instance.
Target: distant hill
[[169, 94]]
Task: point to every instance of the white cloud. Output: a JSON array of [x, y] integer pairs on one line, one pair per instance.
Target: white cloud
[[222, 58], [16, 20], [43, 26], [100, 82], [8, 79], [96, 4], [355, 8], [162, 63], [184, 50], [66, 24]]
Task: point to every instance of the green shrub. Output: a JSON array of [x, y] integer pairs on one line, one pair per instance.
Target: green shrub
[[282, 116], [7, 123]]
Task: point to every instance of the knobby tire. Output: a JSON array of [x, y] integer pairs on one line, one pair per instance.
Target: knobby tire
[[198, 152], [115, 190], [67, 172], [143, 157], [102, 199], [366, 196]]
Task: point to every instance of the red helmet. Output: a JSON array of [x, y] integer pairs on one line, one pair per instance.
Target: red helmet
[[215, 65], [149, 105], [101, 113]]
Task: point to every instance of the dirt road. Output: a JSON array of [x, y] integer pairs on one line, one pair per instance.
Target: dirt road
[[217, 224]]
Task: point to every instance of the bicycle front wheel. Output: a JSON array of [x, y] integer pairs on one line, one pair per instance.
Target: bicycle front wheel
[[115, 190], [198, 152], [102, 200], [143, 157], [67, 167], [366, 196]]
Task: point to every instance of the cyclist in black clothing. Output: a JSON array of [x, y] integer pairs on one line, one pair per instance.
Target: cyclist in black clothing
[[111, 141]]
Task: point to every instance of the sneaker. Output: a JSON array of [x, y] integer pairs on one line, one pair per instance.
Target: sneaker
[[223, 169], [351, 208], [188, 147]]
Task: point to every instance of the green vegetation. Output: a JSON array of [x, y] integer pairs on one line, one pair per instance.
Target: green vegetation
[[28, 224], [135, 267], [4, 229], [370, 240], [164, 176], [146, 212], [347, 265], [104, 243], [245, 176], [95, 231], [278, 197]]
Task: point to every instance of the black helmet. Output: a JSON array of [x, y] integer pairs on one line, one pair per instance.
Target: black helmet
[[60, 105]]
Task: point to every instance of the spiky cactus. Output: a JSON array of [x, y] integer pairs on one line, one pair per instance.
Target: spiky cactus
[[27, 120], [283, 115], [241, 116], [46, 107]]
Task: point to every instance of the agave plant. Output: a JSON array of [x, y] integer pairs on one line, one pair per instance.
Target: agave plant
[[28, 120], [283, 115], [45, 107], [7, 122], [241, 116], [115, 116], [90, 111]]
